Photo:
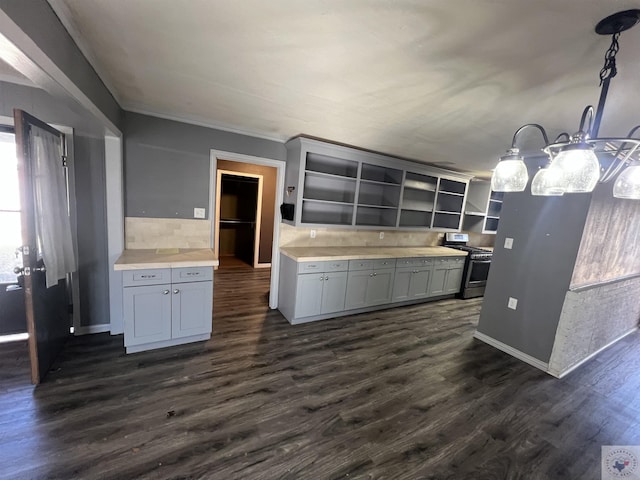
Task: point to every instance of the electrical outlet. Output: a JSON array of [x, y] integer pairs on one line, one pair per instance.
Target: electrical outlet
[[508, 243], [199, 212], [381, 235], [513, 303], [312, 234]]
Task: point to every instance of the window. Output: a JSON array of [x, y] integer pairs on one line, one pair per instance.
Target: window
[[10, 227]]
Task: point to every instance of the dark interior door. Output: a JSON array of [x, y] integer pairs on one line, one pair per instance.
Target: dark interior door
[[46, 308]]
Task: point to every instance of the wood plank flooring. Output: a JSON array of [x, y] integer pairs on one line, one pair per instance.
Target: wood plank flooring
[[405, 393]]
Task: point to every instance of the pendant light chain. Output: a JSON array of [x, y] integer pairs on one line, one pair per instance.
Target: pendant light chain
[[609, 69]]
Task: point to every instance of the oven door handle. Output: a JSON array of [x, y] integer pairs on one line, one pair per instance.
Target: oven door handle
[[480, 261]]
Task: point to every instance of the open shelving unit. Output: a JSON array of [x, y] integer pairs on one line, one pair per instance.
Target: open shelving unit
[[418, 200], [329, 190], [493, 212], [331, 184], [378, 196], [449, 204]]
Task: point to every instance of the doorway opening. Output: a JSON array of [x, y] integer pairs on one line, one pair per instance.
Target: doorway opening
[[13, 323], [269, 176], [238, 218]]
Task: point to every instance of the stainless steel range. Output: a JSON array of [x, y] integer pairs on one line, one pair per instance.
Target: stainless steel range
[[476, 267]]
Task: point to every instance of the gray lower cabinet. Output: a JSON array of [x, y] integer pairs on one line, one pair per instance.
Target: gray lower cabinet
[[319, 293], [311, 291], [447, 276], [413, 279], [411, 283], [164, 307], [370, 282]]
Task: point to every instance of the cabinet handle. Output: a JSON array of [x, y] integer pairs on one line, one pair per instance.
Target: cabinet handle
[[371, 274], [326, 278], [321, 278], [165, 292], [374, 274], [176, 291]]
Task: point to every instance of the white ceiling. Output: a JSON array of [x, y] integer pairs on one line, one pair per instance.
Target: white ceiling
[[435, 81]]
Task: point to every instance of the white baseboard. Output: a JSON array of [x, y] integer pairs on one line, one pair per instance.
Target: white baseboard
[[512, 351], [89, 329], [560, 374]]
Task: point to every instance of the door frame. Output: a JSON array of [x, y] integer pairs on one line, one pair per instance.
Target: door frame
[[279, 165], [256, 239]]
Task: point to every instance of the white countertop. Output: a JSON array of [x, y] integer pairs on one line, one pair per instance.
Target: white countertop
[[166, 258], [318, 254]]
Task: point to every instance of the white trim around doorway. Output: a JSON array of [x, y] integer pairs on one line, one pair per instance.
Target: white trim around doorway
[[279, 165]]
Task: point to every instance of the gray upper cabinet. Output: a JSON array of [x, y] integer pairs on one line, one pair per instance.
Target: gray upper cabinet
[[336, 185]]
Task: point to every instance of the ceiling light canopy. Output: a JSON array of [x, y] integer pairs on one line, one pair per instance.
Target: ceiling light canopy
[[578, 162]]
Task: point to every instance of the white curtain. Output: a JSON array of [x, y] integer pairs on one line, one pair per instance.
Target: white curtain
[[52, 220]]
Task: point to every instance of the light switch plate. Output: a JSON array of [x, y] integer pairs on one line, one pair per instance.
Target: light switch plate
[[513, 303], [312, 234], [508, 243], [199, 212], [381, 235]]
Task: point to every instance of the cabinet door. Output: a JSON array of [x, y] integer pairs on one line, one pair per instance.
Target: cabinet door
[[309, 294], [438, 281], [147, 314], [401, 284], [420, 280], [380, 287], [454, 280], [334, 292], [191, 308], [357, 288]]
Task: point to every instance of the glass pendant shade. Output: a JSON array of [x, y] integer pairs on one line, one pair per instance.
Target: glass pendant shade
[[580, 169], [628, 184], [548, 182], [510, 176]]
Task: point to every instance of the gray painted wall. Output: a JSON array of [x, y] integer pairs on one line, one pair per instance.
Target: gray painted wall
[[86, 158], [537, 271], [167, 164], [93, 267], [40, 23]]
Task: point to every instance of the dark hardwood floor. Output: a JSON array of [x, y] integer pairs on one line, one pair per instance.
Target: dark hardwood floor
[[405, 393]]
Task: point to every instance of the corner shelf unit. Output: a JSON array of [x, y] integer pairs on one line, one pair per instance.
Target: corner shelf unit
[[482, 211], [344, 186]]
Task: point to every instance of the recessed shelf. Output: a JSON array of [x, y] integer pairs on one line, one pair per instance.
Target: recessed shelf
[[474, 214], [374, 216], [381, 174], [328, 202], [375, 182], [330, 175], [415, 218], [330, 213], [417, 206], [447, 212], [451, 193], [376, 206], [331, 165], [452, 186], [323, 187]]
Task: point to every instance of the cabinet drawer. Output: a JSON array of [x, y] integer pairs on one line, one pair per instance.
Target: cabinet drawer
[[360, 265], [414, 262], [449, 261], [191, 274], [384, 263], [336, 266], [310, 267], [155, 276]]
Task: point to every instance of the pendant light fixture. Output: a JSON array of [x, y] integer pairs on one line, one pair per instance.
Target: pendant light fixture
[[579, 161]]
